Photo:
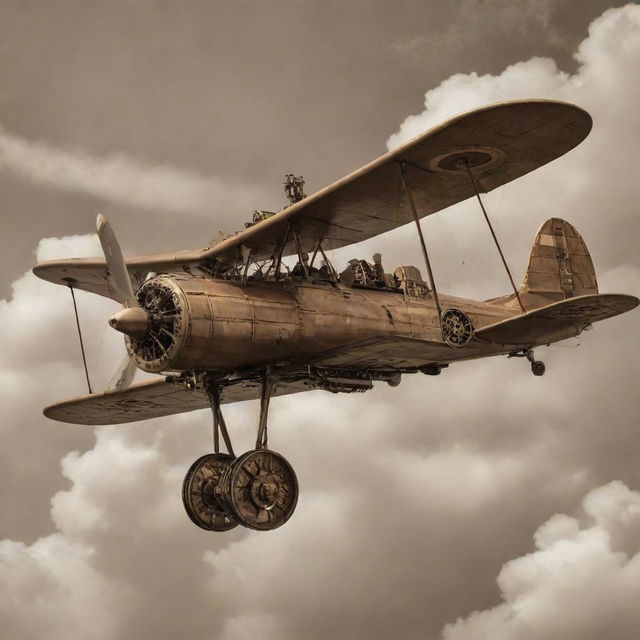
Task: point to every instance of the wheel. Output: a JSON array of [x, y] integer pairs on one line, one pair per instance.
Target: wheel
[[538, 368], [261, 489], [199, 494], [395, 381]]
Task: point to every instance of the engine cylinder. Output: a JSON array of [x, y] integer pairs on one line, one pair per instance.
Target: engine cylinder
[[168, 323]]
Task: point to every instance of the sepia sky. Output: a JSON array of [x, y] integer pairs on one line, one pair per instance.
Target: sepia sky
[[483, 503]]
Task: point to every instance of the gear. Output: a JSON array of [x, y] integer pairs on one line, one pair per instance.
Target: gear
[[457, 329]]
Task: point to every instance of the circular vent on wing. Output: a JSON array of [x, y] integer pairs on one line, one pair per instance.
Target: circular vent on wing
[[457, 329], [476, 157], [165, 305]]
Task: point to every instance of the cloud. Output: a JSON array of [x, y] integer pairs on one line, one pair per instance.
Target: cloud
[[605, 59], [51, 589], [476, 21], [122, 179], [412, 499], [591, 186], [577, 584]]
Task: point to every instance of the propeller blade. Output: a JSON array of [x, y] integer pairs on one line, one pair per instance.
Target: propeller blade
[[115, 263], [123, 376]]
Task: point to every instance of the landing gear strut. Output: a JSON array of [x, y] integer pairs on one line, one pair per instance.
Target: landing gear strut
[[537, 366], [258, 490]]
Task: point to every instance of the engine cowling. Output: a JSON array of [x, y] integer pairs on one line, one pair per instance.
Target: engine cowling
[[204, 324], [168, 322]]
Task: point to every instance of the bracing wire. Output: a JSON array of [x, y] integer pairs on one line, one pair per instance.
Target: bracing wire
[[495, 238]]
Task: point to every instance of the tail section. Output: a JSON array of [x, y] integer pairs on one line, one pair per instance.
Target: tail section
[[560, 266]]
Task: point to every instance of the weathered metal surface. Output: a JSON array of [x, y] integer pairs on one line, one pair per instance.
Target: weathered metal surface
[[154, 399], [457, 329], [226, 326], [199, 493], [501, 142], [560, 266], [558, 320], [261, 489]]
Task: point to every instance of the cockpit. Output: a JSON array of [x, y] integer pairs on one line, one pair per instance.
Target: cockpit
[[358, 274], [362, 274]]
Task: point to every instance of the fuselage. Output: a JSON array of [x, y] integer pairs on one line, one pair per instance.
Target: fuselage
[[224, 325]]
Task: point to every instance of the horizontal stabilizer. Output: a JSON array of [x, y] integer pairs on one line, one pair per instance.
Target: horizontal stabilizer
[[558, 320]]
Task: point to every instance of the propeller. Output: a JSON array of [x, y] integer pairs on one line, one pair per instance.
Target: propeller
[[132, 320]]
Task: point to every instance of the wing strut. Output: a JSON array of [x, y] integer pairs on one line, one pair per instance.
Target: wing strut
[[423, 245], [486, 217], [75, 310]]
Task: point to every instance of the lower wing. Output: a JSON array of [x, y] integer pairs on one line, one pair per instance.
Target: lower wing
[[154, 399]]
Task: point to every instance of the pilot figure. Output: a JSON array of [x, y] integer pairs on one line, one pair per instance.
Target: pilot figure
[[298, 270], [378, 269]]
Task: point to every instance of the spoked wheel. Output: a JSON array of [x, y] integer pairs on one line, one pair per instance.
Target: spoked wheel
[[199, 494], [457, 329], [261, 489]]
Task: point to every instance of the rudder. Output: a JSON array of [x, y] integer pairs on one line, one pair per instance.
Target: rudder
[[560, 266]]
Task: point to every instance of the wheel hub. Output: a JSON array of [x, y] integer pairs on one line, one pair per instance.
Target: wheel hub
[[264, 491]]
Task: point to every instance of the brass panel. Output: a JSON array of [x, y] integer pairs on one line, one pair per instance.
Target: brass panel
[[543, 265], [576, 246], [581, 264], [546, 282], [543, 251]]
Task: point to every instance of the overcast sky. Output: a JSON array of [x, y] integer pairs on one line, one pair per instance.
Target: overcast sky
[[484, 503]]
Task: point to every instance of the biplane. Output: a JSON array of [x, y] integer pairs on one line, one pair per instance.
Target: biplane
[[233, 322]]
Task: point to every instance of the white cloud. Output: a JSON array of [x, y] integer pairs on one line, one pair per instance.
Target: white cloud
[[577, 585], [593, 186], [411, 498], [51, 589], [122, 179]]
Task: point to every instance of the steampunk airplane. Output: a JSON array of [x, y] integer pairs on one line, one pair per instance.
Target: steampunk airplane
[[232, 322]]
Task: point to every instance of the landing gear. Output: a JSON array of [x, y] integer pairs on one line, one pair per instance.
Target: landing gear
[[537, 366], [199, 493], [258, 490], [262, 489]]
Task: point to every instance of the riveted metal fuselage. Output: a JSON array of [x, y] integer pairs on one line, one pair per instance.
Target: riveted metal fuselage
[[231, 326]]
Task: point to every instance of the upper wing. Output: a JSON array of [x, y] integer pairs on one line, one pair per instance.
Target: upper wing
[[91, 274], [500, 142], [552, 321], [153, 399]]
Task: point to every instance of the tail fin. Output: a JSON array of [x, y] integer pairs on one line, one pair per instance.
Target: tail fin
[[560, 266]]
